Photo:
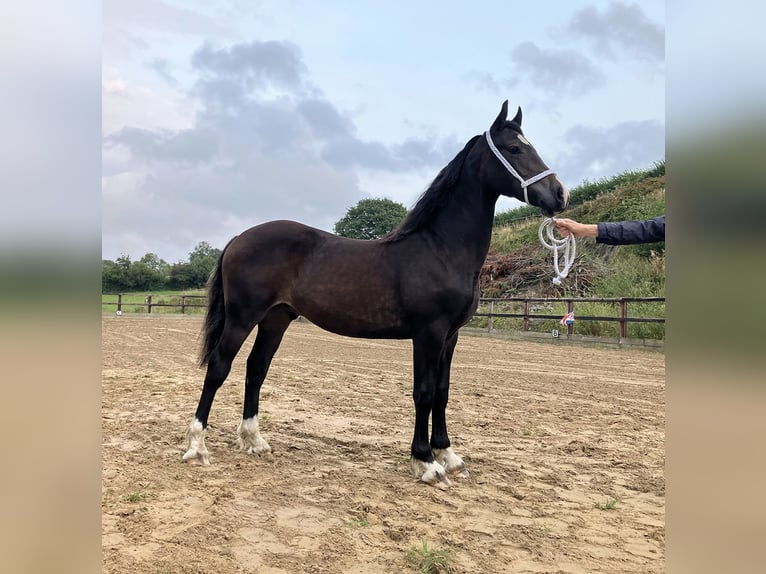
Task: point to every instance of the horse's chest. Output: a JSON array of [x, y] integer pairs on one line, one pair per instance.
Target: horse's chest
[[462, 303], [470, 304]]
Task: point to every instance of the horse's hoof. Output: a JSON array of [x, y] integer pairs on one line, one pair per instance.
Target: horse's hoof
[[431, 473], [194, 455], [258, 449], [250, 439], [452, 463], [253, 445], [441, 482]]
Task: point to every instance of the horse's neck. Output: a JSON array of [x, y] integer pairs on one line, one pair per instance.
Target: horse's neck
[[464, 225]]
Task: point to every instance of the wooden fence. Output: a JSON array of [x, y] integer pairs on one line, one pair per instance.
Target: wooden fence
[[529, 313], [183, 305], [530, 307]]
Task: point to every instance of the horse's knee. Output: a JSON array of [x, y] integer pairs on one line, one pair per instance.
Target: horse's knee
[[217, 370], [213, 381], [423, 396]]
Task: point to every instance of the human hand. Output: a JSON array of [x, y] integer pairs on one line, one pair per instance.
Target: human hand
[[567, 226]]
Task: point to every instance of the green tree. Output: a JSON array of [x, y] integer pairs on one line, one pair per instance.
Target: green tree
[[202, 260], [141, 277], [112, 279], [182, 276], [370, 219], [115, 275], [153, 261]]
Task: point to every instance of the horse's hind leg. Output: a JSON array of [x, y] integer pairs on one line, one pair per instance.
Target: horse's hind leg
[[219, 365], [270, 332], [440, 442]]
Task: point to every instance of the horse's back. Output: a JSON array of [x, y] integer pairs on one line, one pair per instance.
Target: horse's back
[[347, 286], [292, 244], [277, 236]]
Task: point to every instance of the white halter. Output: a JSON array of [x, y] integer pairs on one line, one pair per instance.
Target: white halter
[[568, 243], [513, 172]]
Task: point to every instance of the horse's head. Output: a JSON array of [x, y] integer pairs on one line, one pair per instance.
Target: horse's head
[[514, 168]]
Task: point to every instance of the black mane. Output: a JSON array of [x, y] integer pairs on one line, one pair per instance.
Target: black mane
[[432, 198]]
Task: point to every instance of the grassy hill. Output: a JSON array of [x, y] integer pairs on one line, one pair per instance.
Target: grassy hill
[[519, 266]]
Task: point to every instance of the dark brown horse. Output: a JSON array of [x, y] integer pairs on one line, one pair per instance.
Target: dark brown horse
[[419, 282]]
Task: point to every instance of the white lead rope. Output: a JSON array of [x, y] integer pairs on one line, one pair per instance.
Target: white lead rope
[[568, 243]]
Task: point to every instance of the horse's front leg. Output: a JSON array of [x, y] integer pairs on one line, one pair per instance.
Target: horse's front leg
[[440, 442], [428, 349]]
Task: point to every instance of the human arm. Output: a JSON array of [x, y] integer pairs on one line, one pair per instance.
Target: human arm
[[630, 232], [615, 232]]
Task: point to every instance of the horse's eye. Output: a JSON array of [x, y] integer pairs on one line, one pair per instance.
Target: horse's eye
[[514, 149]]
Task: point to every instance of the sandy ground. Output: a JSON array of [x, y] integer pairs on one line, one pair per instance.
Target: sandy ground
[[552, 435]]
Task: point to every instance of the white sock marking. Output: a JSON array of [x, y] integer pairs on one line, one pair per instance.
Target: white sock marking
[[250, 439], [197, 448]]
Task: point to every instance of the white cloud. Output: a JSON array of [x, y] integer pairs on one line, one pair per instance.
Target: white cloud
[[621, 29], [596, 152], [158, 15], [140, 106], [219, 120], [558, 72]]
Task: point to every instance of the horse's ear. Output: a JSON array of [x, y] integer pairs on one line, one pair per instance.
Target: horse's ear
[[500, 120], [517, 118]]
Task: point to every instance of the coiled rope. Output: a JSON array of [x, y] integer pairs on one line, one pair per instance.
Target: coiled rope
[[554, 244]]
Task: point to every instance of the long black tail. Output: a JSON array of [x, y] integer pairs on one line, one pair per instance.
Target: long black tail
[[216, 312]]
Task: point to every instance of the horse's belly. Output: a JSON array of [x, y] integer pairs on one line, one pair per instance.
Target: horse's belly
[[355, 317], [365, 327]]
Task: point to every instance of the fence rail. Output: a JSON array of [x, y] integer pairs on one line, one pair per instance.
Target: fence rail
[[529, 311], [183, 305]]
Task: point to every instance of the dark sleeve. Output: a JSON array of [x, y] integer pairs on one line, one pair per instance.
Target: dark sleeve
[[628, 232]]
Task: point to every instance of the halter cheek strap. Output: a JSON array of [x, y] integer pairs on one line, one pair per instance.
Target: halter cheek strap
[[524, 182]]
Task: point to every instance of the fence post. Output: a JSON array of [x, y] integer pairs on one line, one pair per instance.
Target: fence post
[[526, 314], [148, 303], [570, 308], [623, 317], [119, 301], [183, 304], [490, 325]]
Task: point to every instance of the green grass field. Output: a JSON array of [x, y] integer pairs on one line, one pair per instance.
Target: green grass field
[[136, 302]]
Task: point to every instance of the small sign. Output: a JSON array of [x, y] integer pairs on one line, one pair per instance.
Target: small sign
[[555, 333], [119, 313]]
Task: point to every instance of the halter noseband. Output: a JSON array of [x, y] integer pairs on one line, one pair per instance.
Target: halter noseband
[[513, 172]]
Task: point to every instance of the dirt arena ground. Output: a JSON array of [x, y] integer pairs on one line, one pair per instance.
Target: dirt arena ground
[[565, 446]]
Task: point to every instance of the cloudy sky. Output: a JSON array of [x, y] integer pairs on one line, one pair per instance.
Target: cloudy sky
[[222, 114]]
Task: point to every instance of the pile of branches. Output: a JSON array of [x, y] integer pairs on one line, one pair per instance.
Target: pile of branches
[[528, 271]]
